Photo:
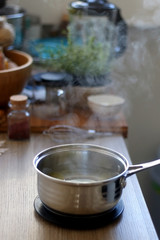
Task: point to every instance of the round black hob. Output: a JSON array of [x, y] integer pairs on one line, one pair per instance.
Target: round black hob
[[76, 221]]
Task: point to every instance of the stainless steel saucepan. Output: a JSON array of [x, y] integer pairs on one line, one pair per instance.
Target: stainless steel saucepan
[[82, 179]]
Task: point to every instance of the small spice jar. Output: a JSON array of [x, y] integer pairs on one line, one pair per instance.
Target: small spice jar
[[19, 118]]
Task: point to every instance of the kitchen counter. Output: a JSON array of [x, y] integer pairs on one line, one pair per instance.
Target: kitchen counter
[[18, 219]]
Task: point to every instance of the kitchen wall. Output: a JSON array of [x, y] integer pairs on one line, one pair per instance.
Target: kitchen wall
[[50, 11], [136, 76], [135, 12]]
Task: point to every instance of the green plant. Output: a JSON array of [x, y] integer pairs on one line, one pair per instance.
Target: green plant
[[87, 59]]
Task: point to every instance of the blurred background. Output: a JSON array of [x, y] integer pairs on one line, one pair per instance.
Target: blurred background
[[135, 75]]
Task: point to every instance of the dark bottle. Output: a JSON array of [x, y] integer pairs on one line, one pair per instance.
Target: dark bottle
[[18, 118]]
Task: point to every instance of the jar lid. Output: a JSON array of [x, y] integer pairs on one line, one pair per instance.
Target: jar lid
[[53, 79], [96, 8], [18, 99], [99, 6], [93, 4], [12, 11]]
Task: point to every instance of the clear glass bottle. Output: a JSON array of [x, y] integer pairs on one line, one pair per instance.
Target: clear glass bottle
[[19, 118]]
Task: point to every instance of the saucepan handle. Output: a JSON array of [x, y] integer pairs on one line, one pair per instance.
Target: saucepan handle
[[140, 167]]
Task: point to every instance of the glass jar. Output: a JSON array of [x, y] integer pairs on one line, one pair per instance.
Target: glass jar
[[18, 118], [52, 103], [99, 20]]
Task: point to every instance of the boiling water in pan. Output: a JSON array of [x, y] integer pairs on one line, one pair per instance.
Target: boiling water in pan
[[81, 166], [81, 177]]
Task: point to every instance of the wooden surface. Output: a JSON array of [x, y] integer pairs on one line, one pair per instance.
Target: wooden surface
[[78, 117], [18, 219]]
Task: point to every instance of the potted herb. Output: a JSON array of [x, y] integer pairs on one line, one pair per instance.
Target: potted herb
[[88, 63]]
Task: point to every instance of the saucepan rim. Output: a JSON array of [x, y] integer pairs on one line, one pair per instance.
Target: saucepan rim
[[48, 151]]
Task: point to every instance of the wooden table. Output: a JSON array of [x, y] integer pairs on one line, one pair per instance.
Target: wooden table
[[18, 190]]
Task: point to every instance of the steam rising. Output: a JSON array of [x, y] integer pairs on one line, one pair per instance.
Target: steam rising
[[133, 74], [150, 5], [147, 15]]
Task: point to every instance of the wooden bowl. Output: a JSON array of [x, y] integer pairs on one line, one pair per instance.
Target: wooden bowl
[[12, 81]]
